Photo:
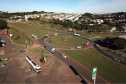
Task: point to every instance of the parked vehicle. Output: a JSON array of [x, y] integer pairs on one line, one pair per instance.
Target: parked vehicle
[[34, 65], [50, 48], [71, 47], [64, 55], [4, 32], [110, 51], [78, 47], [96, 44], [2, 44], [21, 51], [76, 34], [115, 59], [1, 40], [85, 45], [47, 35], [55, 34], [121, 55]]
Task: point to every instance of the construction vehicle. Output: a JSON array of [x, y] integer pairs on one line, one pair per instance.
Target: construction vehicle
[[34, 65], [85, 45], [4, 32]]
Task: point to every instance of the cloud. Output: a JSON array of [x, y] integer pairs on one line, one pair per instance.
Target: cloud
[[113, 6]]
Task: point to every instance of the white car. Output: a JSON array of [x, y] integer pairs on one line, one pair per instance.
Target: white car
[[55, 34], [76, 34], [47, 35], [71, 47], [64, 55], [78, 46]]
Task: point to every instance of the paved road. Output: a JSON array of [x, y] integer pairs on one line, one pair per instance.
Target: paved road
[[82, 71]]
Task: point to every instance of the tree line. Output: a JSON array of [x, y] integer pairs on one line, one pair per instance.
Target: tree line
[[3, 24], [115, 43]]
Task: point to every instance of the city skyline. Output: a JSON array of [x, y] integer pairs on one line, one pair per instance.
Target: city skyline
[[66, 6]]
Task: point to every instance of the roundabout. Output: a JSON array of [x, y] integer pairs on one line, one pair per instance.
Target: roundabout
[[69, 42], [66, 40]]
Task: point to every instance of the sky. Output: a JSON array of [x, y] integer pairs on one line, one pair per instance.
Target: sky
[[66, 6]]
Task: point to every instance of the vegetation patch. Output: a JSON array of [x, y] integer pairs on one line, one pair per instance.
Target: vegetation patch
[[110, 70], [114, 55], [115, 43], [23, 38], [40, 32], [66, 40], [39, 50]]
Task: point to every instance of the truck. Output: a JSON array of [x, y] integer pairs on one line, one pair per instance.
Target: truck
[[33, 64], [50, 48], [85, 45], [4, 32]]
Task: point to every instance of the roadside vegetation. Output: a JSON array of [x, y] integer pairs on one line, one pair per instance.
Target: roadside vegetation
[[108, 69], [23, 38], [115, 55], [3, 24], [102, 35], [66, 40], [40, 32], [38, 50], [115, 43]]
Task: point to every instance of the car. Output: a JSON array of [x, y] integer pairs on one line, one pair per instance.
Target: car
[[76, 34], [110, 51], [21, 51], [55, 34], [2, 44], [96, 44], [1, 40], [47, 35], [115, 52], [115, 59], [121, 55], [64, 55], [78, 47], [71, 48]]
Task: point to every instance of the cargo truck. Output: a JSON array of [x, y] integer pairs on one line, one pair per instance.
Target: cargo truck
[[50, 48]]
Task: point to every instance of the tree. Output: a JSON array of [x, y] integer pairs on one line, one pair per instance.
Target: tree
[[118, 43], [115, 43], [3, 24]]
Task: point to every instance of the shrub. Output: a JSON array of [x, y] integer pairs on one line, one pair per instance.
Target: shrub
[[42, 60]]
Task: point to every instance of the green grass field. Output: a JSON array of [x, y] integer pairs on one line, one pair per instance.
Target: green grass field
[[115, 55], [38, 50], [97, 36], [43, 25], [108, 69], [59, 40], [36, 31], [23, 37]]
